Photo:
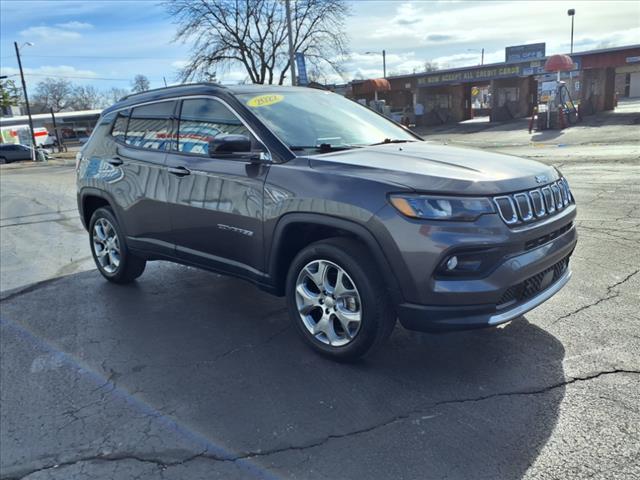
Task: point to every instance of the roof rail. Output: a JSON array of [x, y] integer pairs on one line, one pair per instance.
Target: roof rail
[[169, 87]]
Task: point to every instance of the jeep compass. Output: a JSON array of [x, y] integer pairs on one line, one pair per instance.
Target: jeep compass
[[309, 195]]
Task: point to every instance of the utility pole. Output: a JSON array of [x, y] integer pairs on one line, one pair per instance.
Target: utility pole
[[482, 57], [292, 64], [26, 101], [55, 131], [384, 64], [572, 13]]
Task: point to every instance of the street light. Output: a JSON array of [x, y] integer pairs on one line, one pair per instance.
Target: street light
[[26, 97], [384, 61], [572, 13], [481, 54]]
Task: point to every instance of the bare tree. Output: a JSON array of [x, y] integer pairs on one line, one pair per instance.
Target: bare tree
[[431, 66], [140, 84], [53, 93], [85, 97], [253, 34], [112, 95]]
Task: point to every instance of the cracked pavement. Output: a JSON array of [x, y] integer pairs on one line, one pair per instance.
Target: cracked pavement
[[191, 375]]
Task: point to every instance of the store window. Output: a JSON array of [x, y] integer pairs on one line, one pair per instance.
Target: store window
[[150, 126], [201, 120]]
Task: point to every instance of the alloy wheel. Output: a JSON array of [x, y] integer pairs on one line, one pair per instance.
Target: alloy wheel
[[106, 245], [328, 303]]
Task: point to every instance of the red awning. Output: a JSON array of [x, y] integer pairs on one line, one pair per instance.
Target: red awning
[[559, 63], [375, 85]]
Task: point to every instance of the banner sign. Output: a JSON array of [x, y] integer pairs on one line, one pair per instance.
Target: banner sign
[[482, 74], [522, 53], [301, 68]]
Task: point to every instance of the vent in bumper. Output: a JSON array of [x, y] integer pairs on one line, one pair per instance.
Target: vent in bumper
[[533, 285], [526, 207]]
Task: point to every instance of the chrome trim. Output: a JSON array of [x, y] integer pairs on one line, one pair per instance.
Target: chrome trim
[[514, 219], [532, 303], [550, 208], [564, 188], [540, 213], [191, 97], [557, 196], [524, 217]]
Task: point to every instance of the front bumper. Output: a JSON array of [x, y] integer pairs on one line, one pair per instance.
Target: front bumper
[[525, 255], [443, 319]]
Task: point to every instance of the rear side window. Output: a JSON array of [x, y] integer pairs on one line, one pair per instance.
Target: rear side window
[[120, 125], [201, 120], [150, 126]]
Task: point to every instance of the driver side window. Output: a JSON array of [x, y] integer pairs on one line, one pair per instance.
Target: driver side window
[[201, 120]]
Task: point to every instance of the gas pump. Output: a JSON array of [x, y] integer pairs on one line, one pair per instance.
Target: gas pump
[[556, 108]]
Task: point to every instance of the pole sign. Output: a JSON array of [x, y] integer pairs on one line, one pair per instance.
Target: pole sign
[[522, 53], [301, 67]]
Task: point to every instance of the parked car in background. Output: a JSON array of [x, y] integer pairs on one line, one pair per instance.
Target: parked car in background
[[353, 218], [10, 152]]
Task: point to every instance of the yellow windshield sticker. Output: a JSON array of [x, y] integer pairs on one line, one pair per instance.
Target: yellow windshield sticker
[[265, 100]]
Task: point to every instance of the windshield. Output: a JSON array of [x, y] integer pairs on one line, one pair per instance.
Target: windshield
[[314, 118]]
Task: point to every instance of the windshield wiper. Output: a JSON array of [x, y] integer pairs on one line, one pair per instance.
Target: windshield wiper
[[323, 147], [392, 140]]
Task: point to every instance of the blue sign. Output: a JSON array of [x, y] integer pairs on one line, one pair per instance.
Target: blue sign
[[521, 53], [301, 67]]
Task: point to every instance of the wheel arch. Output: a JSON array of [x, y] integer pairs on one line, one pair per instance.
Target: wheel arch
[[294, 231], [90, 199]]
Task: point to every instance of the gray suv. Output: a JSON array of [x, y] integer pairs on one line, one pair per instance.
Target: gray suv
[[352, 217]]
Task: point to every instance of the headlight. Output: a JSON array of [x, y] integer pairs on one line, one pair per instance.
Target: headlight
[[434, 207]]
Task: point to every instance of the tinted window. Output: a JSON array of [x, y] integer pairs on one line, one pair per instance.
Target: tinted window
[[201, 120], [150, 126], [120, 125]]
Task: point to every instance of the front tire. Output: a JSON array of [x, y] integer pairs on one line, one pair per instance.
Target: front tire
[[337, 300], [109, 249]]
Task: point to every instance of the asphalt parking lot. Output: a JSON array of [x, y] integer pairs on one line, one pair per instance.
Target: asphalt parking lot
[[189, 375]]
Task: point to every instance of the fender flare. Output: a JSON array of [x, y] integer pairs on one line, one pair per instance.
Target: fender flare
[[106, 196], [358, 230]]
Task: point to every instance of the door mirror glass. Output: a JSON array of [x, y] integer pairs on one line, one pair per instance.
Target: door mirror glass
[[229, 144]]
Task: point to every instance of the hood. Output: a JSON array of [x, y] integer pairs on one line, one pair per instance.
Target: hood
[[429, 167]]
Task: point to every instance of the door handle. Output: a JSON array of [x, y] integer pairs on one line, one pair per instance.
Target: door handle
[[179, 171], [115, 161]]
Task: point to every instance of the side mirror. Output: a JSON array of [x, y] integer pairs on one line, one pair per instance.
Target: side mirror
[[238, 147], [229, 144]]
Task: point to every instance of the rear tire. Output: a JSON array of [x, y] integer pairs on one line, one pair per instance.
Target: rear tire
[[337, 299], [109, 249]]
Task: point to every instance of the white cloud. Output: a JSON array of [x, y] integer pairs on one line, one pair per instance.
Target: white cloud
[[179, 64], [49, 34], [75, 25], [35, 74]]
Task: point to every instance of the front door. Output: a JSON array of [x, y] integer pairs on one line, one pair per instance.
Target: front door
[[216, 203]]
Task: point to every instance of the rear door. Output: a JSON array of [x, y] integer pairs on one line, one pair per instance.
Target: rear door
[[216, 203], [142, 188]]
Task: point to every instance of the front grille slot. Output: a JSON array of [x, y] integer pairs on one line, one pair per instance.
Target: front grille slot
[[524, 207], [533, 285], [536, 242]]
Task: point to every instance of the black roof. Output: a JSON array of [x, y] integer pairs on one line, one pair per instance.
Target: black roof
[[196, 89]]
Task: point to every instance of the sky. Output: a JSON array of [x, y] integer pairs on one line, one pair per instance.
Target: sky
[[106, 43]]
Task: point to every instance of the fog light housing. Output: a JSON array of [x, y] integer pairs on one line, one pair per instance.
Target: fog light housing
[[469, 262]]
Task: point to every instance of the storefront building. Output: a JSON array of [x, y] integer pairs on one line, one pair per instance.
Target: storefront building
[[509, 90]]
